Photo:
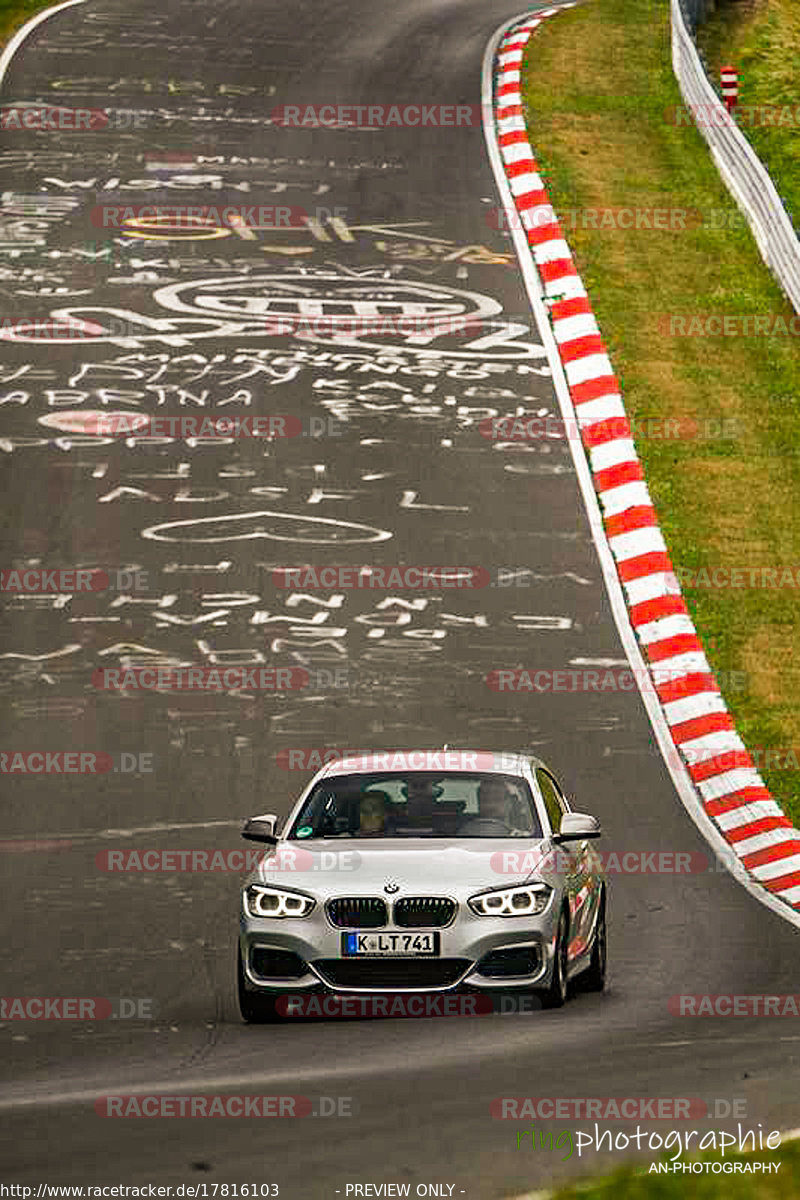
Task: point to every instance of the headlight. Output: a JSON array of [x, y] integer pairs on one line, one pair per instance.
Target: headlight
[[524, 901], [272, 902]]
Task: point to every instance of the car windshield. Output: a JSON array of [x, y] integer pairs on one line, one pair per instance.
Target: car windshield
[[419, 804]]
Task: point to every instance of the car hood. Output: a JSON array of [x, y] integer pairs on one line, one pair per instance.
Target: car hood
[[420, 866]]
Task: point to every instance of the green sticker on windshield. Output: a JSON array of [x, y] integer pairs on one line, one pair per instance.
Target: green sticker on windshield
[[305, 831]]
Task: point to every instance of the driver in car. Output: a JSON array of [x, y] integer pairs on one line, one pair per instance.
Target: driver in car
[[494, 800], [496, 812]]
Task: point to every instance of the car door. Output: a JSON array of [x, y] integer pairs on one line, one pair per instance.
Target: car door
[[566, 856], [576, 860]]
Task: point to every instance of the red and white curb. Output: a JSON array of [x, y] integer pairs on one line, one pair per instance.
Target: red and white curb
[[730, 790]]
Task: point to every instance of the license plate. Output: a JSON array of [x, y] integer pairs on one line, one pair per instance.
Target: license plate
[[408, 945]]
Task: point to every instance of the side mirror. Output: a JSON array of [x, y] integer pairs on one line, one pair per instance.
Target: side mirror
[[576, 827], [261, 829]]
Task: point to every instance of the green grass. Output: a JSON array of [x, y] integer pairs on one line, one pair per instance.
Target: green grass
[[14, 13], [764, 44], [597, 82]]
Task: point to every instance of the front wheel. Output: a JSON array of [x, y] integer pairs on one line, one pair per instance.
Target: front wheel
[[556, 995], [256, 1009], [594, 977]]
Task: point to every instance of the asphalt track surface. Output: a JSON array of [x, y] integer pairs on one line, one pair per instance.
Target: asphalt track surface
[[406, 459]]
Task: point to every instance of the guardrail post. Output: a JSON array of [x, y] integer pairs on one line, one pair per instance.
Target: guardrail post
[[730, 87]]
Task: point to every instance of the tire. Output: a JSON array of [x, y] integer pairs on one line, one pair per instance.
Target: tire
[[256, 1009], [593, 978], [555, 996]]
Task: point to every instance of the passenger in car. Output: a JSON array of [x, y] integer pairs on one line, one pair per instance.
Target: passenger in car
[[372, 814]]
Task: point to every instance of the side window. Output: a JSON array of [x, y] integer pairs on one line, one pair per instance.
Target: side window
[[562, 799], [552, 799]]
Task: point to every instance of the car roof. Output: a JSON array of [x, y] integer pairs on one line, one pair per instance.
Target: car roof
[[449, 761]]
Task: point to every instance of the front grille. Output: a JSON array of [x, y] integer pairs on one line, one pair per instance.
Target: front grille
[[415, 912], [357, 912], [276, 964], [398, 974], [504, 964]]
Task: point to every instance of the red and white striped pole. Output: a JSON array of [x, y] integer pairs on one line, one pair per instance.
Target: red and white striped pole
[[729, 77]]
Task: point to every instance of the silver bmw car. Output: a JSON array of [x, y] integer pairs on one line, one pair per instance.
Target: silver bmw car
[[423, 871]]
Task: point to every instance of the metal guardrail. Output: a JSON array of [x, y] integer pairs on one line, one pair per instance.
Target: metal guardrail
[[695, 12], [742, 171]]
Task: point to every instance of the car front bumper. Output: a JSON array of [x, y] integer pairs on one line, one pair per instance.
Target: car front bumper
[[478, 953]]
